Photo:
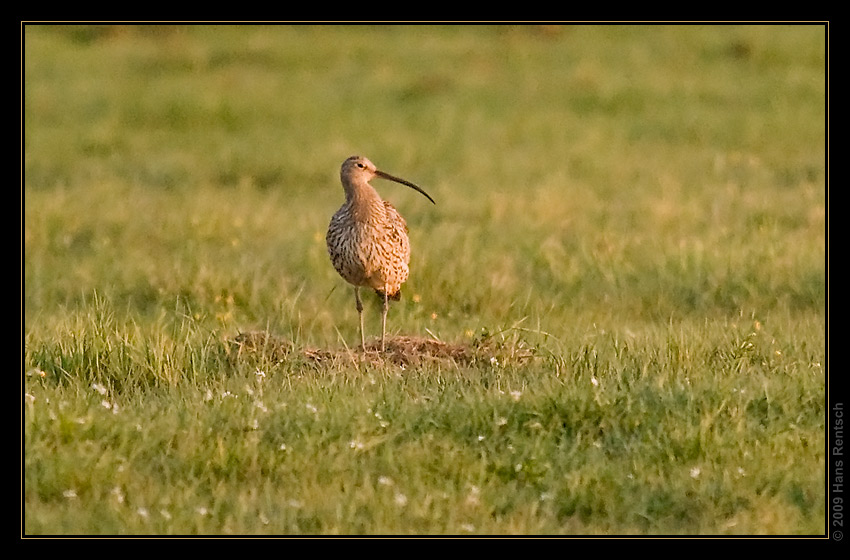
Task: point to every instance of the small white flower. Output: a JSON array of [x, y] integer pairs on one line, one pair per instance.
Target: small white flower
[[143, 512], [501, 421], [695, 472], [515, 395], [312, 408], [260, 373], [480, 438], [99, 388], [70, 494], [400, 499], [356, 444], [201, 510], [472, 497], [494, 361], [594, 382]]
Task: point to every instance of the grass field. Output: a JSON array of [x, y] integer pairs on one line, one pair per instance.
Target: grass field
[[622, 286]]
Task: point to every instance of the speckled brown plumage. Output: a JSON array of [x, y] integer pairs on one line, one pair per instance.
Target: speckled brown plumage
[[367, 237]]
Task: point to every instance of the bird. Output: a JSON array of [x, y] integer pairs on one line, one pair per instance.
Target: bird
[[367, 238]]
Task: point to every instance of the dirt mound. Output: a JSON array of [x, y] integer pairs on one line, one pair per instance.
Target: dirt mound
[[400, 351]]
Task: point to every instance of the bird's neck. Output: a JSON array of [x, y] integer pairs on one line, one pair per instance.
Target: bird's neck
[[363, 200]]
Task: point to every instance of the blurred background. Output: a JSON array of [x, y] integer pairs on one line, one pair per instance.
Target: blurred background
[[619, 174]]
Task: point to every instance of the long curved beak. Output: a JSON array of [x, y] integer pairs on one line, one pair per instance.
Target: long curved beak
[[403, 182]]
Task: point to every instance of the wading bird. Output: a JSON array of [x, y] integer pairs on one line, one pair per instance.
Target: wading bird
[[367, 238]]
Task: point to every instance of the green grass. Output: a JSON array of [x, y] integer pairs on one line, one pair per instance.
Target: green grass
[[643, 207]]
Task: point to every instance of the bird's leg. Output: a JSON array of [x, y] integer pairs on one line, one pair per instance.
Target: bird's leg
[[360, 312], [384, 319]]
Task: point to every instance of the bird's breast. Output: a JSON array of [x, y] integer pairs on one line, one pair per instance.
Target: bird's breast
[[372, 252]]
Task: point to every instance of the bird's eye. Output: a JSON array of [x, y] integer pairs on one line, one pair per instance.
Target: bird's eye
[[360, 165]]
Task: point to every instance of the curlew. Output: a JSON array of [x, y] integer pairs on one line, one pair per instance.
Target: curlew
[[367, 238]]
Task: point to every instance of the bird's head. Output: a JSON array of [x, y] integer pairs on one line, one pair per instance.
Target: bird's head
[[358, 169]]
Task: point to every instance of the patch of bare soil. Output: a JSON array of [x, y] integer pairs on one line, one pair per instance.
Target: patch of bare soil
[[400, 351]]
